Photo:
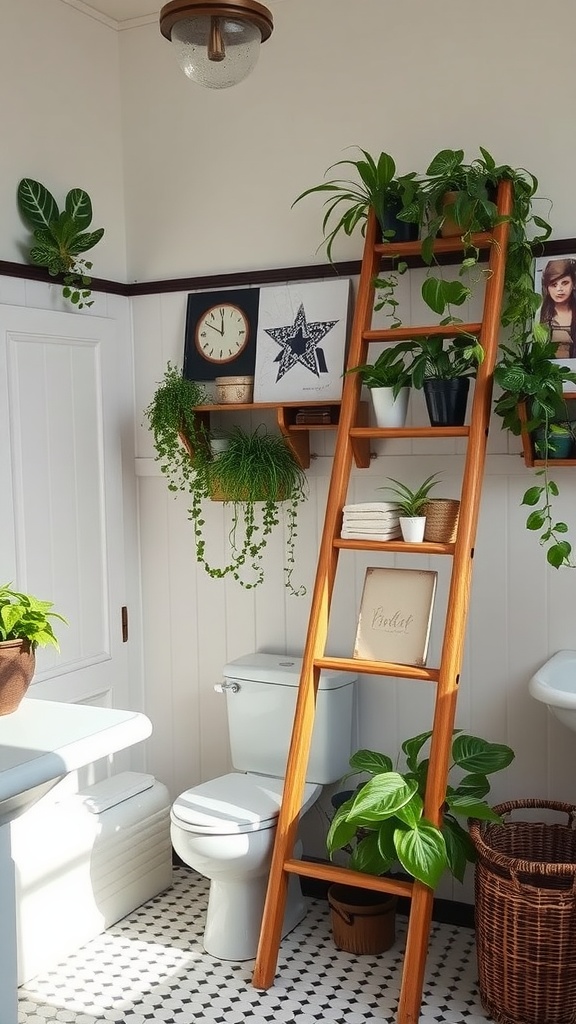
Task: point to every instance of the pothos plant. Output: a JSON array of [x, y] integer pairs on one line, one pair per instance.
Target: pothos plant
[[256, 473], [61, 236], [381, 823], [527, 375]]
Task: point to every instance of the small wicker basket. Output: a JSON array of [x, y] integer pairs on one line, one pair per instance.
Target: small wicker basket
[[525, 908], [441, 520]]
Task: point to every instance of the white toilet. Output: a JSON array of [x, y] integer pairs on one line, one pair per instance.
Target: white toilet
[[225, 828]]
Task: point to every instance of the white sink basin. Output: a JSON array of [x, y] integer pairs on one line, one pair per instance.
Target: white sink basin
[[40, 743], [555, 685]]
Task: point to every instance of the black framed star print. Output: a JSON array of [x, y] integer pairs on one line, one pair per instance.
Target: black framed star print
[[220, 335], [301, 341]]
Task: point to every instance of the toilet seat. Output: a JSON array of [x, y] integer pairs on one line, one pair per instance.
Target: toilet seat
[[234, 803]]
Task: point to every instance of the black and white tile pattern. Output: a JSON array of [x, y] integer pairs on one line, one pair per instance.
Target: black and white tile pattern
[[151, 967]]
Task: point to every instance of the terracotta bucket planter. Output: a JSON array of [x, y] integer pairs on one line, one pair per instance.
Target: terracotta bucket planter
[[17, 665], [362, 921]]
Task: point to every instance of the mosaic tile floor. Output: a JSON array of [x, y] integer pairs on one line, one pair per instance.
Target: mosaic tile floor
[[151, 967]]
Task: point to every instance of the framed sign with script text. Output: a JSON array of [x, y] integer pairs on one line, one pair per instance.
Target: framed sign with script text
[[396, 615]]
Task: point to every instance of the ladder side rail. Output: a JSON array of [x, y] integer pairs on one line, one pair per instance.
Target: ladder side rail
[[458, 597], [299, 750], [457, 610]]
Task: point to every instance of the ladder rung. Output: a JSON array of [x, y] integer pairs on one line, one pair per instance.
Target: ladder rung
[[407, 333], [481, 240], [376, 432], [423, 547], [378, 668], [345, 876]]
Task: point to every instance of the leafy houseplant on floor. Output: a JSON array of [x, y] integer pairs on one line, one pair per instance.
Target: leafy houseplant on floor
[[382, 823], [410, 505], [25, 623], [60, 236], [256, 472], [388, 379]]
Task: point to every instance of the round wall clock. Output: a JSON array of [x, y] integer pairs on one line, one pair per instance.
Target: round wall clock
[[222, 333], [221, 328]]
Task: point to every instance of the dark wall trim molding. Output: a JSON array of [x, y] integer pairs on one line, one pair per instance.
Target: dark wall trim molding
[[314, 272]]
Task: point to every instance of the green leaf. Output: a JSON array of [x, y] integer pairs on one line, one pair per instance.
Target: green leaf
[[478, 756], [473, 785], [412, 748], [37, 205], [536, 520], [370, 761], [368, 857], [532, 496], [79, 207], [80, 243], [341, 831], [459, 847], [422, 852], [381, 797]]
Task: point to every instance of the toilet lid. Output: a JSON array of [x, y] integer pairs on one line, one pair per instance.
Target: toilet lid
[[233, 803]]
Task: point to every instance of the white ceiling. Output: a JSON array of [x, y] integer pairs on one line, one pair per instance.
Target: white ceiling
[[123, 10]]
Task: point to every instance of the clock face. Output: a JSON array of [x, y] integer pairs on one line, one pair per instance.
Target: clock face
[[222, 333]]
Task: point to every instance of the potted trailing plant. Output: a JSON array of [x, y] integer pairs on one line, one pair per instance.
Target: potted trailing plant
[[388, 380], [256, 472], [531, 399], [61, 236], [442, 367], [381, 824], [375, 186], [410, 505], [25, 624]]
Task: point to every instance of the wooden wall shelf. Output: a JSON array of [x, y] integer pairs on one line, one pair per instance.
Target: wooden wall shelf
[[530, 457], [297, 434]]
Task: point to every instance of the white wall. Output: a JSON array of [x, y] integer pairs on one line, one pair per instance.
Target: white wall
[[61, 120], [211, 175], [209, 180]]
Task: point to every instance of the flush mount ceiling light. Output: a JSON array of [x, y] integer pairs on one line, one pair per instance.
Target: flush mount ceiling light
[[217, 44]]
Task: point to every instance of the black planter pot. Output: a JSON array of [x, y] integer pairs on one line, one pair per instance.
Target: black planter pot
[[403, 232], [446, 400]]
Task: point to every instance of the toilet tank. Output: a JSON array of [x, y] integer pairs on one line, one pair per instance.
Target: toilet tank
[[261, 713]]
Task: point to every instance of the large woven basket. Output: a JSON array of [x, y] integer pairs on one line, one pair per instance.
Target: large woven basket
[[525, 908], [441, 520]]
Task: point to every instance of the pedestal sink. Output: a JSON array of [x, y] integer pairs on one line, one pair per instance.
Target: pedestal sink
[[39, 744], [555, 685]]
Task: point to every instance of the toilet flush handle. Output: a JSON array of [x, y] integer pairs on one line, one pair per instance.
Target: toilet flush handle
[[226, 686]]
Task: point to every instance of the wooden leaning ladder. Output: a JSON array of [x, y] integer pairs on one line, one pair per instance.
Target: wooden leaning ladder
[[351, 443]]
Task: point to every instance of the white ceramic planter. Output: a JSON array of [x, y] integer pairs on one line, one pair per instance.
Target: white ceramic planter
[[389, 411], [412, 528]]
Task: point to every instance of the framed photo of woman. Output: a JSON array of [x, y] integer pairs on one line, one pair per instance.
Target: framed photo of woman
[[555, 280]]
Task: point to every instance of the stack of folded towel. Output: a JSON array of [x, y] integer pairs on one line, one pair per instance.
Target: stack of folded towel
[[371, 520]]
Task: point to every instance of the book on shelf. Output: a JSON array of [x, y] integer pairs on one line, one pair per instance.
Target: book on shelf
[[396, 616]]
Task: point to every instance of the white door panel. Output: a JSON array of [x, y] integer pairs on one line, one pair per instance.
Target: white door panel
[[61, 523]]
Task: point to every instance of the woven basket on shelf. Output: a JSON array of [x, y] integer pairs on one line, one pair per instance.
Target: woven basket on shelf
[[525, 909], [441, 520]]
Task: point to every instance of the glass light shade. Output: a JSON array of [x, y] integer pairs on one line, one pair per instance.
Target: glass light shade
[[241, 39]]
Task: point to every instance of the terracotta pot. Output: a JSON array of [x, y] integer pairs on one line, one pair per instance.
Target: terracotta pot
[[17, 664], [362, 921]]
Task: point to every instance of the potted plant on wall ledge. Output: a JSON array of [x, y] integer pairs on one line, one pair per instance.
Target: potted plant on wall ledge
[[25, 624], [381, 824], [256, 472], [61, 236]]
